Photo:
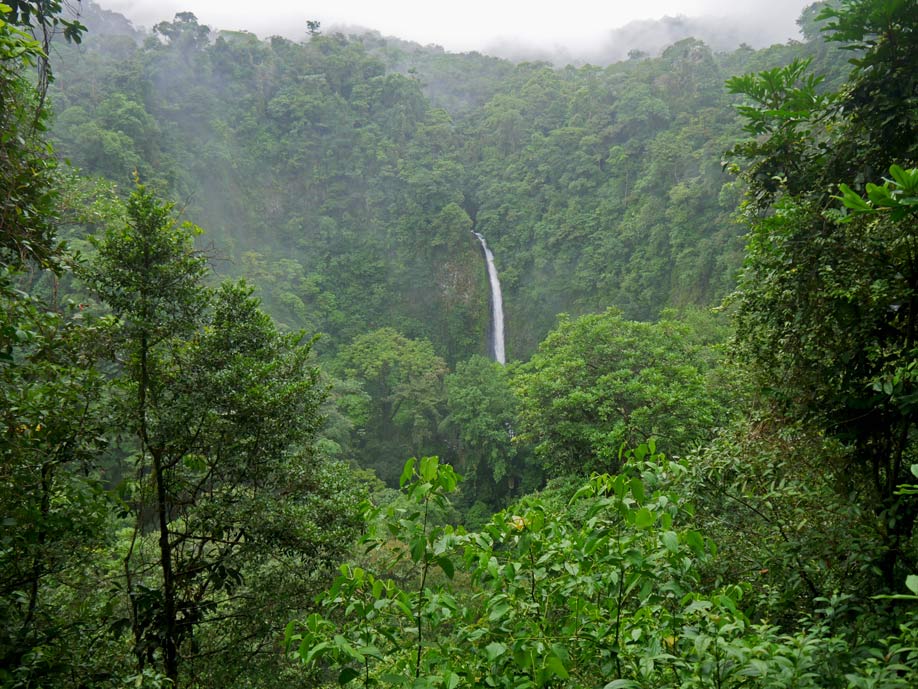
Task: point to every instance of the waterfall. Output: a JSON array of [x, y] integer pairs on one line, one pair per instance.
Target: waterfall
[[497, 305]]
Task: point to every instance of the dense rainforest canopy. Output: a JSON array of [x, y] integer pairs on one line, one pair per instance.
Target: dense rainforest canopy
[[251, 435]]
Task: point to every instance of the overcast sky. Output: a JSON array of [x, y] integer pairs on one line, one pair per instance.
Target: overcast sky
[[461, 25]]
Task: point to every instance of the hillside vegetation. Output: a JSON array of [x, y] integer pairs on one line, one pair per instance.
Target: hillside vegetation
[[251, 435]]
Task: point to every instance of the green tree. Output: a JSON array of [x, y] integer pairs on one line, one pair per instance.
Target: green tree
[[56, 513], [600, 382], [53, 410], [44, 19], [26, 167], [184, 32], [224, 409], [482, 411], [829, 292], [404, 379], [148, 274]]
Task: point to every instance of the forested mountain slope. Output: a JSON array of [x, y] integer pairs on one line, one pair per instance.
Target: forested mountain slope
[[627, 504], [342, 175]]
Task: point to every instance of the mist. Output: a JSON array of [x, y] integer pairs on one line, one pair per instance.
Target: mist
[[574, 31], [649, 37]]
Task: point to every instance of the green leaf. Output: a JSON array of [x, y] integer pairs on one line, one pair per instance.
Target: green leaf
[[494, 650], [695, 542], [407, 472], [671, 541], [316, 651], [447, 566], [347, 674], [345, 647], [911, 582], [637, 489], [371, 651], [314, 622], [852, 199], [643, 518], [428, 469], [556, 666], [418, 546], [583, 492], [907, 180], [499, 611], [449, 479], [452, 681], [288, 632], [881, 196]]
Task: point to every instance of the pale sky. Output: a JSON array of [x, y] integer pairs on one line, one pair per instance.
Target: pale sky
[[461, 25]]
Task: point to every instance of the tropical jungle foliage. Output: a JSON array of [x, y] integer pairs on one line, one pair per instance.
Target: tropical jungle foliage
[[698, 469]]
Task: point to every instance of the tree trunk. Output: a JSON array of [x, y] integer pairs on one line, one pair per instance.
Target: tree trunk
[[170, 651], [169, 641]]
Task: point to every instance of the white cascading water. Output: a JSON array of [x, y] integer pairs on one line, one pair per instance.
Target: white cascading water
[[497, 305]]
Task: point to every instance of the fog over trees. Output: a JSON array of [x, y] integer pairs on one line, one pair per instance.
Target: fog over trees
[[256, 426]]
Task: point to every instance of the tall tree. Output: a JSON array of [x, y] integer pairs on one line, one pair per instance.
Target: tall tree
[[224, 409], [148, 273], [54, 511], [404, 380], [828, 297], [482, 415], [26, 189], [600, 382]]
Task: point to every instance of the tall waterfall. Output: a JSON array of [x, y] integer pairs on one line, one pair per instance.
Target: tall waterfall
[[497, 306]]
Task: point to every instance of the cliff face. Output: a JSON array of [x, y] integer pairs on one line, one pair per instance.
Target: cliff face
[[449, 295]]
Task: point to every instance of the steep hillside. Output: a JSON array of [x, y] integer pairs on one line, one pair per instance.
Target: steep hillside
[[343, 175]]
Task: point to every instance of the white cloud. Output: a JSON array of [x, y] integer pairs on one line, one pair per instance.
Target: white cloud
[[462, 25]]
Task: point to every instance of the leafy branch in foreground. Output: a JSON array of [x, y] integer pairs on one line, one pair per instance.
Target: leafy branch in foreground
[[604, 591], [897, 196], [827, 300]]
